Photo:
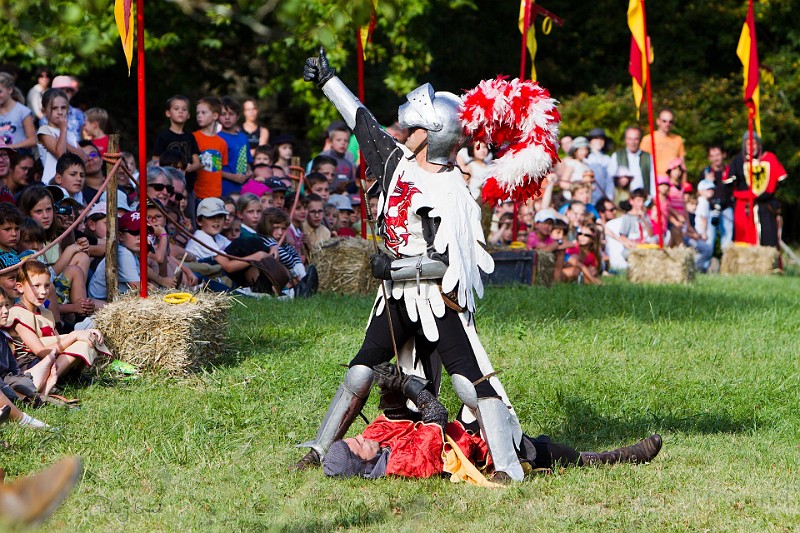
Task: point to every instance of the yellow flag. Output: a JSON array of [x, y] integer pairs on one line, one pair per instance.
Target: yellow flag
[[123, 14], [531, 40]]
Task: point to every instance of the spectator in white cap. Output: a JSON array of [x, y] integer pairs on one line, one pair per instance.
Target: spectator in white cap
[[704, 243], [75, 117], [539, 238]]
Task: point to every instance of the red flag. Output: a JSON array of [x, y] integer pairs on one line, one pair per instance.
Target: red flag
[[747, 50], [637, 66]]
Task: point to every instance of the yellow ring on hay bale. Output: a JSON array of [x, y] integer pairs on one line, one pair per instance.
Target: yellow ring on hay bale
[[517, 245], [177, 298]]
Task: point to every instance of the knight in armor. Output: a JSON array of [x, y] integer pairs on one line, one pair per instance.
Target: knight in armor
[[431, 226]]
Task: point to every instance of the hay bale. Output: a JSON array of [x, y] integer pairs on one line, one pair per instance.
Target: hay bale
[[754, 260], [343, 266], [654, 265], [155, 335]]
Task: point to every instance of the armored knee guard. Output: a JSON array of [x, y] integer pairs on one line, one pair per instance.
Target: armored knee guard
[[346, 404], [499, 427]]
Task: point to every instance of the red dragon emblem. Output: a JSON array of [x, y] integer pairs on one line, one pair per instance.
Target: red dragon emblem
[[396, 227]]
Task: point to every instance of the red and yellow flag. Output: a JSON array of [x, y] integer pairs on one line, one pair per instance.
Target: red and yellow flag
[[747, 50], [637, 65], [365, 32], [530, 41], [123, 14]]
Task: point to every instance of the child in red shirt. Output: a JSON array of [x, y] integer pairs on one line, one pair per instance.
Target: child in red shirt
[[213, 149]]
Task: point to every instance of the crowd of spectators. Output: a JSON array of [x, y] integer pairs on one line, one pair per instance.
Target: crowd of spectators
[[232, 212]]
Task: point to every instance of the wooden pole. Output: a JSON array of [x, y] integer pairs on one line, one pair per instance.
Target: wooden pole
[[111, 224]]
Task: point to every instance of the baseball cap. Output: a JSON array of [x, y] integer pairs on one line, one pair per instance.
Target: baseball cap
[[663, 180], [130, 221], [64, 82], [8, 259], [97, 209], [341, 202], [255, 187], [544, 215], [276, 184], [578, 142], [211, 207], [706, 185], [596, 133], [57, 193], [283, 138], [676, 163]]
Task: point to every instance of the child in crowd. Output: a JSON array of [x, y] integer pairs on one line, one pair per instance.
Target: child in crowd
[[248, 210], [326, 166], [211, 215], [17, 129], [53, 137], [234, 172], [318, 184], [339, 138], [583, 263], [213, 150], [93, 177], [294, 233], [32, 326], [278, 192], [283, 150], [540, 238], [39, 378], [70, 176], [177, 111], [313, 228], [271, 228], [261, 191], [69, 287], [504, 234], [95, 128], [261, 172], [234, 229], [345, 207], [37, 203], [262, 155], [702, 238], [332, 218]]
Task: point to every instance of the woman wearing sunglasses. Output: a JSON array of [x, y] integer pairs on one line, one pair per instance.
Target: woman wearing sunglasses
[[583, 264], [159, 184]]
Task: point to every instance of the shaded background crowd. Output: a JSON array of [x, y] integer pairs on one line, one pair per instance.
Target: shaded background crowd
[[217, 172]]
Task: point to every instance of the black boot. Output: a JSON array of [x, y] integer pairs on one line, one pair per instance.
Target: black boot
[[309, 460], [641, 452]]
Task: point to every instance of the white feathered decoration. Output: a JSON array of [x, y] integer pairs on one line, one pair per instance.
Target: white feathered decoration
[[521, 120]]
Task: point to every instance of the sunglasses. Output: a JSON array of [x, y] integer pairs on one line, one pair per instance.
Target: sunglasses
[[93, 155], [178, 197], [586, 235], [136, 232], [158, 187], [611, 209]]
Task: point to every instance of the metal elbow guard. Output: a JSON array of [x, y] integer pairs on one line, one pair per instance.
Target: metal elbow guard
[[421, 267]]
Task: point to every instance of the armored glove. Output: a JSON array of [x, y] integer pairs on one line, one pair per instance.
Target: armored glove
[[381, 265], [317, 69]]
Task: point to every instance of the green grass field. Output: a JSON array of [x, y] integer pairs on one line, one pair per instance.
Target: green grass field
[[713, 367]]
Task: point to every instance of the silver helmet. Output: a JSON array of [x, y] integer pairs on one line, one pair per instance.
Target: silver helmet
[[436, 112]]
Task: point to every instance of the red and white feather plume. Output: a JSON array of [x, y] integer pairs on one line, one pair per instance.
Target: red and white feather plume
[[521, 120]]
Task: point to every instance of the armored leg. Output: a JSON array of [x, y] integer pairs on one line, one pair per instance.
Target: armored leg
[[499, 427], [344, 408]]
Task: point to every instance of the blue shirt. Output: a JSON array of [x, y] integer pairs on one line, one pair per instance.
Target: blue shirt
[[239, 157]]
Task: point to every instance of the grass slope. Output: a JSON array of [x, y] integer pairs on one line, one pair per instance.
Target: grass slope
[[712, 367]]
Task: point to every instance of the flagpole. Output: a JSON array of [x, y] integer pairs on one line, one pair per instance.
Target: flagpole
[[652, 130], [362, 171], [751, 114], [526, 23], [142, 149]]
